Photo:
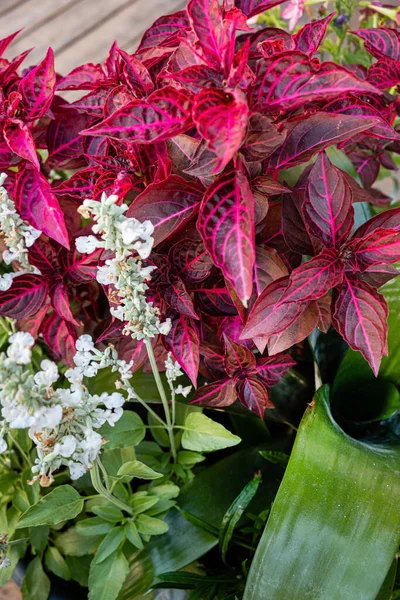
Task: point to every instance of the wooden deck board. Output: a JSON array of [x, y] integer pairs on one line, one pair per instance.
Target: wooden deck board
[[79, 31]]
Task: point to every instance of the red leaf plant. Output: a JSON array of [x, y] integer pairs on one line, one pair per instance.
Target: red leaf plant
[[195, 131]]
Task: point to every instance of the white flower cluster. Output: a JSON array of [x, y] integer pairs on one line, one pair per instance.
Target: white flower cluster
[[124, 236], [18, 237], [172, 372], [62, 422]]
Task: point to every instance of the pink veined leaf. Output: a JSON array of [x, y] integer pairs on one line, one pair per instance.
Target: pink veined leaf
[[197, 77], [324, 306], [381, 42], [92, 104], [301, 328], [163, 29], [238, 358], [168, 205], [60, 337], [166, 113], [33, 324], [190, 260], [251, 8], [226, 223], [389, 219], [5, 42], [19, 139], [80, 268], [272, 369], [176, 295], [307, 136], [85, 77], [358, 192], [268, 267], [270, 314], [253, 395], [65, 144], [61, 303], [367, 167], [262, 138], [80, 185], [117, 98], [38, 86], [290, 80], [328, 208], [129, 349], [204, 164], [269, 186], [218, 393], [221, 118], [136, 75], [39, 206], [310, 36], [8, 74], [378, 275], [352, 105], [44, 256], [295, 231], [25, 297], [184, 343], [113, 331], [384, 73], [206, 20], [5, 155], [213, 298], [360, 316], [213, 358], [381, 246], [314, 278]]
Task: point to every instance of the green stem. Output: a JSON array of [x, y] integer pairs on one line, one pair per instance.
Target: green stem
[[164, 400], [99, 487], [20, 450], [150, 411]]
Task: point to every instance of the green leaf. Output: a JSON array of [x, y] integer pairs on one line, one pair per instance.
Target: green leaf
[[234, 513], [132, 535], [39, 537], [150, 526], [79, 569], [143, 503], [202, 434], [135, 468], [106, 579], [61, 504], [334, 526], [278, 458], [72, 543], [110, 544], [385, 593], [56, 563], [93, 526], [107, 513], [36, 584], [114, 458], [128, 431], [189, 459]]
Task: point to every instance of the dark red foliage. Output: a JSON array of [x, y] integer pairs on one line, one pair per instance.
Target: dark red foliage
[[195, 131]]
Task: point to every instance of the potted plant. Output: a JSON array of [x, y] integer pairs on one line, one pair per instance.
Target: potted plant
[[195, 253]]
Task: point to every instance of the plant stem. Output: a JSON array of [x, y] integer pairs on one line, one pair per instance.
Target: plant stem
[[21, 451], [164, 400], [99, 487]]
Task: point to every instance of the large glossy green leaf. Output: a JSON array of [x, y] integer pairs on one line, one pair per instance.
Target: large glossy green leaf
[[208, 497], [334, 526]]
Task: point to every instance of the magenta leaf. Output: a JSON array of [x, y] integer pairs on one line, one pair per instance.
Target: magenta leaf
[[360, 316], [39, 206], [65, 144], [80, 268], [270, 314], [85, 77], [19, 139], [367, 166], [301, 328], [176, 295], [294, 227], [328, 208], [38, 86], [129, 349], [218, 393], [226, 223], [43, 255], [308, 136], [381, 42], [184, 343], [384, 73], [254, 395], [163, 29], [213, 298], [61, 303], [262, 138], [24, 298], [380, 246], [268, 186], [60, 337], [254, 7], [167, 112], [80, 185], [378, 275], [291, 79], [206, 19], [190, 260], [197, 77], [92, 104], [271, 369], [136, 75], [310, 36], [314, 278], [168, 205], [237, 357], [5, 42], [268, 267], [221, 118], [324, 306], [389, 219]]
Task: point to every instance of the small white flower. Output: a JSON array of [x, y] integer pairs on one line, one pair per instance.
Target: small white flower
[[144, 248], [114, 400], [6, 281], [48, 375], [9, 256], [3, 445], [108, 273], [31, 235], [74, 376], [84, 343], [20, 349], [118, 312], [91, 370], [48, 416], [5, 562], [76, 470], [184, 391], [165, 328], [67, 446], [86, 244]]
